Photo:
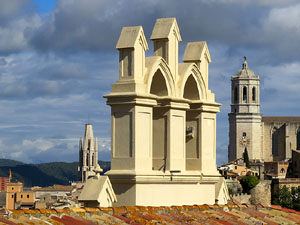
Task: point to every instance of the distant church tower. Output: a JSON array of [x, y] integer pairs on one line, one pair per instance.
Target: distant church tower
[[88, 154], [245, 119]]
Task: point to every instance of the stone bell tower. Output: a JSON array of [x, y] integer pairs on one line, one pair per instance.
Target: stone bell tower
[[245, 119]]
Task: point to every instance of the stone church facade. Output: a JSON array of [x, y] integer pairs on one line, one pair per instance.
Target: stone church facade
[[265, 138]]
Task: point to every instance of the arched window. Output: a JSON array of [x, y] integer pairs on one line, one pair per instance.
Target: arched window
[[282, 170], [253, 94], [235, 95], [244, 94], [298, 139], [275, 141]]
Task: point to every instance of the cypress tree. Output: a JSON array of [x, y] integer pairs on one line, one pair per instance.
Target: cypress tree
[[246, 158]]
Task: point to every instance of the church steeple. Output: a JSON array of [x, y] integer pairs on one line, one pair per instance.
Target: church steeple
[[245, 117], [88, 154]]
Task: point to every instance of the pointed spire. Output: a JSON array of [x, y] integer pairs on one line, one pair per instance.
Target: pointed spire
[[245, 64], [80, 144]]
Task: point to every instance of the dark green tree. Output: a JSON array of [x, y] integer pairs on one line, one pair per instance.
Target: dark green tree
[[248, 182], [246, 157]]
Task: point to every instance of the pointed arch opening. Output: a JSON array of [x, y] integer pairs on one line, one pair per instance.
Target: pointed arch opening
[[158, 85], [253, 94], [244, 94], [298, 139], [191, 90]]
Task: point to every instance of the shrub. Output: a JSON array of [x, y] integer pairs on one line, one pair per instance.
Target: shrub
[[249, 182]]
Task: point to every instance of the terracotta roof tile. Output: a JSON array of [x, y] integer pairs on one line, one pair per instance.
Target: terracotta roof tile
[[119, 210], [92, 210], [196, 214], [47, 211], [60, 211], [6, 221], [78, 210]]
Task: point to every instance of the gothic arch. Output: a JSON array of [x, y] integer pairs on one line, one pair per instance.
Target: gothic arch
[[158, 85], [159, 73], [192, 76], [274, 141]]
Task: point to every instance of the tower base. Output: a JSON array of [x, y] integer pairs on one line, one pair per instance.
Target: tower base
[[167, 189]]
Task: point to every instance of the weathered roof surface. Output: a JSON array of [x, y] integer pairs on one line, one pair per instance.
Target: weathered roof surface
[[194, 51], [130, 36], [280, 119], [196, 214], [55, 187], [163, 28]]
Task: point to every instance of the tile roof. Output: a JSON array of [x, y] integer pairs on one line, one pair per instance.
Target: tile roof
[[196, 214]]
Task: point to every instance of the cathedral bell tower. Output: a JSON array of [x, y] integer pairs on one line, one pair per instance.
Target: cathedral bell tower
[[245, 118]]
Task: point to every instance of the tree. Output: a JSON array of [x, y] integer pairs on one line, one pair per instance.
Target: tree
[[249, 182], [246, 157]]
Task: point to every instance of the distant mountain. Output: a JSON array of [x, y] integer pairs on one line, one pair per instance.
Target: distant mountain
[[9, 162], [44, 174]]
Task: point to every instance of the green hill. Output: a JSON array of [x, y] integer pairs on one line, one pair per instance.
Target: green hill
[[44, 174]]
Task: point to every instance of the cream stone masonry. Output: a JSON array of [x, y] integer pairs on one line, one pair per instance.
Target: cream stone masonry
[[88, 154], [163, 122]]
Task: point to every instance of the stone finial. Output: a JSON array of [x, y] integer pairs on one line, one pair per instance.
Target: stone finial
[[245, 63], [98, 170]]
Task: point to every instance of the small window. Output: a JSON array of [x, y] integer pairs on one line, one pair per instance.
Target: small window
[[235, 167], [245, 94], [21, 196], [244, 134], [12, 196], [282, 170], [253, 94], [235, 95], [12, 188], [27, 196]]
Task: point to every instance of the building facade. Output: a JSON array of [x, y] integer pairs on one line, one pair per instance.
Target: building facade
[[3, 183], [88, 154], [265, 138], [163, 122], [16, 197]]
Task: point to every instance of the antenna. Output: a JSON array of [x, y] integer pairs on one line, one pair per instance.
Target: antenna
[[88, 118]]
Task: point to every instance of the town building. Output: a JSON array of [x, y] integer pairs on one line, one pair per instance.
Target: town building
[[274, 170], [163, 122], [265, 138], [3, 183], [16, 197], [88, 154]]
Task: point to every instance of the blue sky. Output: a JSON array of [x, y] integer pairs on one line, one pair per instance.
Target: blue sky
[[44, 5], [58, 58]]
